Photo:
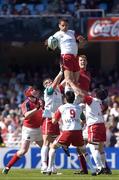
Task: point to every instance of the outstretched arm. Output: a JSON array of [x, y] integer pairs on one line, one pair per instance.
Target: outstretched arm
[[57, 79]]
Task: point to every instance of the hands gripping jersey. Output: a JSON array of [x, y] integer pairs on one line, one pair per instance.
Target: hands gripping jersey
[[67, 42], [53, 99], [70, 116]]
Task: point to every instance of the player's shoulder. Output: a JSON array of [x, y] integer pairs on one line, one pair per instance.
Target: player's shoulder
[[57, 33], [71, 31], [24, 102]]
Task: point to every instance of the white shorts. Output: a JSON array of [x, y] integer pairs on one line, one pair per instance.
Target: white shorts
[[31, 134]]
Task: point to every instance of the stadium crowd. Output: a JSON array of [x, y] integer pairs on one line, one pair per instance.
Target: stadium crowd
[[13, 83], [44, 7]]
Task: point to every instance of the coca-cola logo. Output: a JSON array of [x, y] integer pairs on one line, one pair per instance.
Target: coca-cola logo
[[105, 28]]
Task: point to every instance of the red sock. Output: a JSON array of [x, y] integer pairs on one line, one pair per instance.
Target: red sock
[[83, 163], [12, 161]]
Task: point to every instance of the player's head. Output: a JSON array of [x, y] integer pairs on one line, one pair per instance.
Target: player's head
[[82, 61], [100, 93], [63, 24], [70, 96], [31, 92], [47, 82]]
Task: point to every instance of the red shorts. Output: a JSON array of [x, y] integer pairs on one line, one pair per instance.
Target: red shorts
[[48, 128], [74, 138], [70, 62], [97, 133]]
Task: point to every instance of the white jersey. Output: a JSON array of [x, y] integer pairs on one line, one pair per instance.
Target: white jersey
[[67, 42], [94, 113], [70, 117], [52, 102]]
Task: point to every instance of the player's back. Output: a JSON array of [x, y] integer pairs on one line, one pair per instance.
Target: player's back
[[94, 112], [70, 115]]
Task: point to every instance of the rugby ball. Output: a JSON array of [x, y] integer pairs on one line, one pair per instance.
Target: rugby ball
[[52, 42]]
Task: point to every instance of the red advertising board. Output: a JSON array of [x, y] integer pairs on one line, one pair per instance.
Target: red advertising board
[[103, 29]]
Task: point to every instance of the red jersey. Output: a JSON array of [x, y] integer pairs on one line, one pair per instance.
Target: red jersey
[[35, 121], [84, 80]]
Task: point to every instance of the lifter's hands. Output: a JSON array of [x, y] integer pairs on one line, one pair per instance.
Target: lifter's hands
[[81, 41]]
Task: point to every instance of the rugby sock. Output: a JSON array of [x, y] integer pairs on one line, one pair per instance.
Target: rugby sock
[[87, 157], [103, 160], [83, 163], [13, 160], [51, 159], [92, 148], [44, 155], [97, 159]]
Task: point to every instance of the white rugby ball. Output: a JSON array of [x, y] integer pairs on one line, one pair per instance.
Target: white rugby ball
[[52, 42]]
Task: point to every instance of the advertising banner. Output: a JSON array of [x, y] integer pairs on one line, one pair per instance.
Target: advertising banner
[[103, 29], [32, 159]]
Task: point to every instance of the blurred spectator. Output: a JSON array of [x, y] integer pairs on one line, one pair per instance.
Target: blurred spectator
[[24, 10], [14, 11], [115, 110], [6, 110], [5, 10], [1, 139]]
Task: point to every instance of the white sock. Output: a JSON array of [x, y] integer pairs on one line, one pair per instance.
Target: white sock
[[44, 155], [53, 165], [92, 148], [51, 159], [103, 158], [97, 159], [89, 163]]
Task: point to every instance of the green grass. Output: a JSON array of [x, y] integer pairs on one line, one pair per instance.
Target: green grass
[[23, 174]]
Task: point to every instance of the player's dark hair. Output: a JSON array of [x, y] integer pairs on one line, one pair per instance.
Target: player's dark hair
[[101, 93], [70, 96], [47, 78], [63, 19]]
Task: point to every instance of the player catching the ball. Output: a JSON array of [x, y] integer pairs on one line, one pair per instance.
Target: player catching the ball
[[68, 44]]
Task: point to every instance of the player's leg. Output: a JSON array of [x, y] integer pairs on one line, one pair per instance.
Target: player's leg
[[83, 164], [23, 149], [76, 76], [87, 158], [68, 75], [84, 169], [94, 148], [44, 152], [106, 169], [79, 143], [51, 158]]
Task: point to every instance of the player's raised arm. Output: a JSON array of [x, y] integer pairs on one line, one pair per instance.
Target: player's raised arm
[[57, 79]]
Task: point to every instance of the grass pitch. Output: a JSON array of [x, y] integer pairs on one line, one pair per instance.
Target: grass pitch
[[33, 174]]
